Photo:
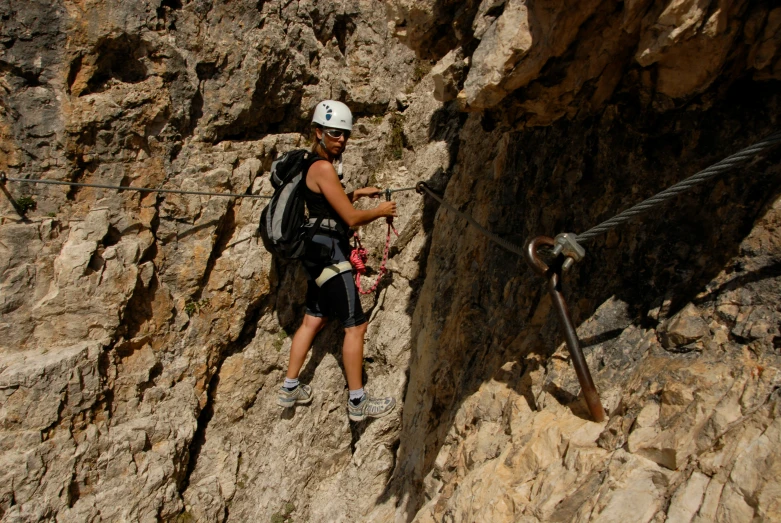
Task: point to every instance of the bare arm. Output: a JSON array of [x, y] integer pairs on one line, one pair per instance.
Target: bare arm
[[322, 178], [365, 192]]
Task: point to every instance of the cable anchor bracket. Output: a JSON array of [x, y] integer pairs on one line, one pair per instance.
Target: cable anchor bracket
[[567, 244], [553, 275]]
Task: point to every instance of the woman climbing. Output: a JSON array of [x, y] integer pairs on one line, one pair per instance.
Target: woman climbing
[[331, 290]]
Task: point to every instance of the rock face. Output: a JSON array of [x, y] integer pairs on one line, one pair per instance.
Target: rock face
[[143, 335], [562, 58]]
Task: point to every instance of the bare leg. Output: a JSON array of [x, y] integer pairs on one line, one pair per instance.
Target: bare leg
[[352, 355], [302, 342]]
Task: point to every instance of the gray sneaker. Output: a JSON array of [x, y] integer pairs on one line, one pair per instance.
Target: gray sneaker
[[301, 395], [370, 408]]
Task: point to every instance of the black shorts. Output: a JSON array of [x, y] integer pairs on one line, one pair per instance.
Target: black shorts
[[338, 297]]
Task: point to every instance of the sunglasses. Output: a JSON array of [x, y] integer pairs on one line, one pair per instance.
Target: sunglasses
[[337, 133]]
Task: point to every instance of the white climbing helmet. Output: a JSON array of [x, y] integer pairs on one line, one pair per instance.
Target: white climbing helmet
[[330, 113]]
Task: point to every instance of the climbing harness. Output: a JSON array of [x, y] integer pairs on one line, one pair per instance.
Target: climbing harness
[[359, 255], [331, 271]]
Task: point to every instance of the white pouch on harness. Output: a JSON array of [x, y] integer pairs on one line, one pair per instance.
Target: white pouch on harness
[[333, 270]]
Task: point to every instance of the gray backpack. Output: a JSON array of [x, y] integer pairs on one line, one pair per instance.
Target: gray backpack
[[282, 220]]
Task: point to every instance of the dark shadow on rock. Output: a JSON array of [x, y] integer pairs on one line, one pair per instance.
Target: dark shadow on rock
[[248, 238], [189, 232], [357, 429], [445, 126], [773, 270], [378, 297], [328, 340], [598, 339], [569, 177], [574, 402], [450, 26], [117, 58], [21, 212]]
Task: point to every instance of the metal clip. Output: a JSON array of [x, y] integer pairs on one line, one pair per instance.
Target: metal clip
[[3, 178], [387, 195], [567, 244]]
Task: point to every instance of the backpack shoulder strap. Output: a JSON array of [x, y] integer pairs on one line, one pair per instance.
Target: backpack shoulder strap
[[313, 230]]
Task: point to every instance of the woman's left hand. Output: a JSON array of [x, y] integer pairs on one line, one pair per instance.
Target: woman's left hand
[[370, 192]]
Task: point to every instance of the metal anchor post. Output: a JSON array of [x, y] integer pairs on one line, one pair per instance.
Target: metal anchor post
[[553, 275]]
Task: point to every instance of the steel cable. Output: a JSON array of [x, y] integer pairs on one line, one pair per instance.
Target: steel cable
[[488, 234], [128, 188], [726, 164], [148, 190], [402, 189]]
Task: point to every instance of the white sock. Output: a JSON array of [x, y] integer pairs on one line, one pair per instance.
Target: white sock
[[356, 394], [290, 384]]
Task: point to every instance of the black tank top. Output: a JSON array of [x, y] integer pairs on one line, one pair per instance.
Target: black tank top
[[318, 207]]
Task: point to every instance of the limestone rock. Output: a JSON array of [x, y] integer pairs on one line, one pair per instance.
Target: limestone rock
[[143, 336], [678, 49], [448, 74], [684, 328]]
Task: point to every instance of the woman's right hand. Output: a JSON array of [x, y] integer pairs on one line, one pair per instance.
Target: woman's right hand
[[387, 209]]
